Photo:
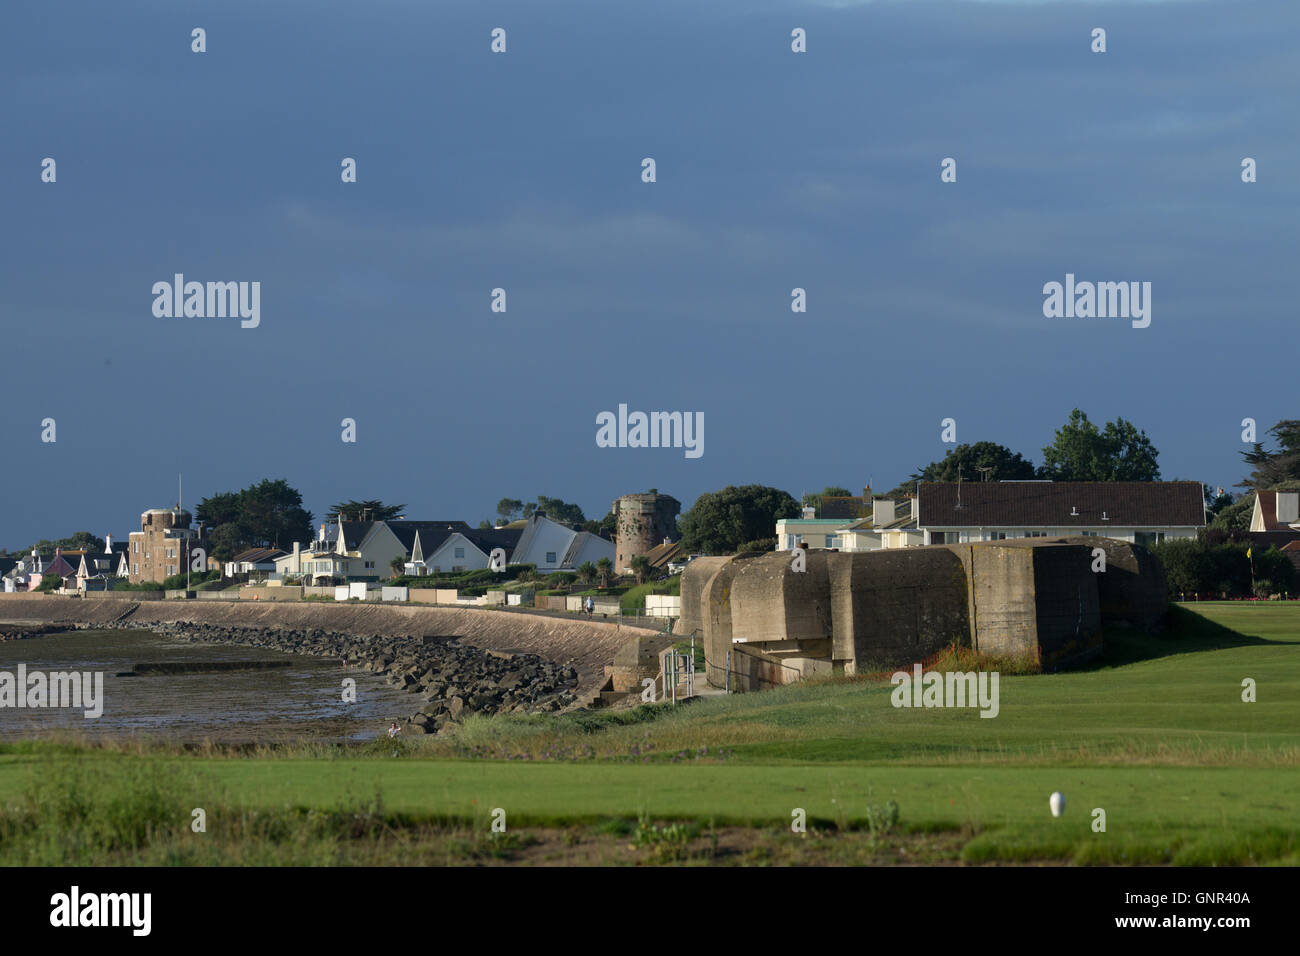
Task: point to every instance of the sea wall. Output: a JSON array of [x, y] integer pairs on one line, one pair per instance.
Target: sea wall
[[588, 646]]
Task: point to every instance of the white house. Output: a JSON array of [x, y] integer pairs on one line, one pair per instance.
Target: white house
[[1141, 512], [555, 547], [468, 550]]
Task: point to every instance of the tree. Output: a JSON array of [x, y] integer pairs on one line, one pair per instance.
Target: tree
[[1270, 469], [1083, 452], [557, 509], [508, 509], [372, 509], [965, 461], [604, 527], [219, 509], [814, 498], [398, 564], [226, 541], [604, 567], [641, 568], [263, 515], [720, 521], [587, 572], [80, 541]]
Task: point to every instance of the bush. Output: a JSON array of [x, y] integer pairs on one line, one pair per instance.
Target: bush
[[1203, 568], [177, 581], [757, 546]]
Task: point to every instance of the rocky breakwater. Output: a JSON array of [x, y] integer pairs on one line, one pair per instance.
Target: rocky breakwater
[[22, 631], [453, 679]]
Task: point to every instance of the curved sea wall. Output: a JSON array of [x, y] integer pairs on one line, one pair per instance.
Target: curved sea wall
[[587, 646]]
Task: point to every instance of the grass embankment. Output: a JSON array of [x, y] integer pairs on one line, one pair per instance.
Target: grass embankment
[[1156, 735]]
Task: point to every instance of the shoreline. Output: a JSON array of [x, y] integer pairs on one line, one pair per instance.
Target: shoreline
[[458, 660]]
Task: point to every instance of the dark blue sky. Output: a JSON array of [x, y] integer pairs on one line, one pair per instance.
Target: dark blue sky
[[522, 170]]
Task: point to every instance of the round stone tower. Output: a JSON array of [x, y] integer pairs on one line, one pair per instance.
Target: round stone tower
[[642, 522]]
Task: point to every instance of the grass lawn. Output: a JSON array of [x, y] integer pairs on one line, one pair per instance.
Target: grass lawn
[[1156, 735]]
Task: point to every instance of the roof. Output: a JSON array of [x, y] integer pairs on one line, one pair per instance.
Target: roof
[[579, 541], [661, 554], [837, 506], [354, 532], [259, 555], [435, 533], [485, 539], [1061, 504], [1267, 505]]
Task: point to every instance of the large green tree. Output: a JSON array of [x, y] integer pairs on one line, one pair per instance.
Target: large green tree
[[80, 541], [1083, 452], [372, 509], [508, 509], [1270, 469], [965, 461], [721, 521], [263, 515]]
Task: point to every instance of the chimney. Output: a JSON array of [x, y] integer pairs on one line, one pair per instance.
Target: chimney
[[108, 544], [809, 513]]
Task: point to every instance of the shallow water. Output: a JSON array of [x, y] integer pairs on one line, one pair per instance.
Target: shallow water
[[304, 699]]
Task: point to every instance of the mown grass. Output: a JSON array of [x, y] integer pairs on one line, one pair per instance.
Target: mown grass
[[1156, 734]]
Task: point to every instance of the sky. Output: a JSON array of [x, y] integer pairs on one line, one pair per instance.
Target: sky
[[522, 170]]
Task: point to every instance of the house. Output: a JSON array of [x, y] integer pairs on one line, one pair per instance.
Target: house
[[892, 525], [1275, 522], [334, 555], [1140, 512], [552, 546], [1276, 511], [818, 533], [62, 565], [256, 562], [852, 507], [467, 550], [164, 544], [662, 555], [18, 577], [363, 550], [98, 572]]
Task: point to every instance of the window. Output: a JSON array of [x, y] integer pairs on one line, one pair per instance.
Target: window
[[1088, 534], [998, 536], [135, 546], [1035, 534], [550, 557], [171, 552], [135, 569], [460, 552], [370, 565]]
